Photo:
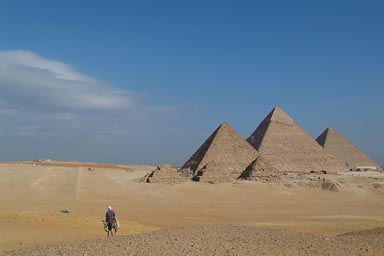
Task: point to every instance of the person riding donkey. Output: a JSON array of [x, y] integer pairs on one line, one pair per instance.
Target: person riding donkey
[[111, 222], [110, 215]]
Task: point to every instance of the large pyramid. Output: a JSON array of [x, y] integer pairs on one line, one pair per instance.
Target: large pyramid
[[289, 148], [344, 150], [222, 157]]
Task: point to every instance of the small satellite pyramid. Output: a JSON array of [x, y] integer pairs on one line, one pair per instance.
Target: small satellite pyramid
[[165, 174], [222, 157], [288, 147], [262, 171], [344, 150]]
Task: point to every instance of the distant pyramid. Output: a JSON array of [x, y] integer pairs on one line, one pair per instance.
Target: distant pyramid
[[289, 148], [344, 150], [223, 156]]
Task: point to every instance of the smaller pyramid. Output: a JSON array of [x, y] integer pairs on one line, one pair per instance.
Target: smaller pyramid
[[224, 155], [164, 174], [213, 173], [261, 170], [344, 150]]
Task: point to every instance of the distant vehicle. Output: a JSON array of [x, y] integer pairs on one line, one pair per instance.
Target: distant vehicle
[[42, 160], [365, 168]]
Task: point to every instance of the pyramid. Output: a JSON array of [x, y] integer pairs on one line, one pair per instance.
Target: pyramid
[[288, 147], [344, 150], [222, 157], [164, 174], [214, 172], [262, 171]]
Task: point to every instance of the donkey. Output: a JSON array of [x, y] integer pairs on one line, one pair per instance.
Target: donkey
[[110, 227]]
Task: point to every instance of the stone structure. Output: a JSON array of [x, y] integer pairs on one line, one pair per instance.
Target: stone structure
[[164, 174], [222, 157], [330, 185], [213, 173], [344, 150], [289, 148], [262, 171]]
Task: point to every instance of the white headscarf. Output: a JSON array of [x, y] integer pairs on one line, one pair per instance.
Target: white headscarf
[[110, 208]]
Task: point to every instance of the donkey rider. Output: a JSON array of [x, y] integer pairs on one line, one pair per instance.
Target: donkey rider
[[110, 215]]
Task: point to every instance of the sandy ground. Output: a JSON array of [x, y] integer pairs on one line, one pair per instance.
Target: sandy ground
[[31, 198], [221, 240]]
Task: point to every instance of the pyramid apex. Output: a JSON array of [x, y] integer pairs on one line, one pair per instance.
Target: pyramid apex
[[276, 108], [331, 130], [278, 115], [326, 134], [224, 124]]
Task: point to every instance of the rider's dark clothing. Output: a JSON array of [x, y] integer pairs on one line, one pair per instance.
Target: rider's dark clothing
[[109, 215]]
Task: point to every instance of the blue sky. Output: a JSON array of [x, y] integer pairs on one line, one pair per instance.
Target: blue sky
[[147, 81]]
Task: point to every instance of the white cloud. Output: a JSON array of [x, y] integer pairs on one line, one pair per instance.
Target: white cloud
[[49, 97], [31, 81], [50, 110]]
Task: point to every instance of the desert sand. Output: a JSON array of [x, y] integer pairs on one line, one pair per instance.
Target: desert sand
[[221, 240], [297, 218]]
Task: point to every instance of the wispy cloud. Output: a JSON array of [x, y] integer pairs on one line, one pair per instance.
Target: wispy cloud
[[47, 94], [32, 81], [49, 109]]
